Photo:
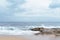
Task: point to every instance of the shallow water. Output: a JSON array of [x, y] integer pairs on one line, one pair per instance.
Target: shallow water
[[44, 37], [23, 28]]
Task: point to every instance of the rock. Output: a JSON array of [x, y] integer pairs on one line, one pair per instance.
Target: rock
[[37, 29], [55, 31]]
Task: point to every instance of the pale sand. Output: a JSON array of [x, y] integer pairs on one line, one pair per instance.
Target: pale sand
[[31, 37], [13, 38], [45, 37]]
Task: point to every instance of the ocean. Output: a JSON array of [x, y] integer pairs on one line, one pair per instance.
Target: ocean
[[22, 28]]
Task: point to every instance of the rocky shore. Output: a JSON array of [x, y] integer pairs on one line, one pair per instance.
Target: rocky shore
[[55, 31]]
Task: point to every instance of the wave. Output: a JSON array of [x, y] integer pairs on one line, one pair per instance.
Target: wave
[[14, 31], [44, 26], [11, 30]]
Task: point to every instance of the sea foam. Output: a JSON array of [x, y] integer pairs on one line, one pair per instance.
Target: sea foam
[[15, 31], [12, 30]]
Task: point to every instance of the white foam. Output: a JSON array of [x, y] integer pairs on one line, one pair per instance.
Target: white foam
[[5, 30], [15, 31]]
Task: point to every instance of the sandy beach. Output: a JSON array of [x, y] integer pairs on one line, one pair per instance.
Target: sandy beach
[[13, 38], [31, 37]]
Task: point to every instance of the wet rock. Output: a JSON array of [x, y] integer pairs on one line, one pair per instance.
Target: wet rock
[[37, 29]]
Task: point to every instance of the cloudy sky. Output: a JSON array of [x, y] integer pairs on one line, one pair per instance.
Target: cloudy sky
[[29, 10]]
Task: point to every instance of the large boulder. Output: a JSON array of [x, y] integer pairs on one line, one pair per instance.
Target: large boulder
[[37, 29]]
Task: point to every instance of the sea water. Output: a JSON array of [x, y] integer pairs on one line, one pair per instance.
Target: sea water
[[23, 28]]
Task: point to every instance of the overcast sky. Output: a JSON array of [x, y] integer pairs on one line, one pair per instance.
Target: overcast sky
[[30, 10]]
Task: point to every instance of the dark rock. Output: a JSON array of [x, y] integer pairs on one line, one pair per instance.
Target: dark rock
[[37, 29]]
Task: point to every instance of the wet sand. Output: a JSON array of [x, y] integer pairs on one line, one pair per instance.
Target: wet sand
[[13, 38], [31, 37], [45, 37]]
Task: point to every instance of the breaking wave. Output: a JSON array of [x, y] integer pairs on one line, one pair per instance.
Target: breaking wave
[[11, 30], [14, 31]]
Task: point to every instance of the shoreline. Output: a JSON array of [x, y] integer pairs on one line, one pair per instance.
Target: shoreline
[[30, 37], [13, 37]]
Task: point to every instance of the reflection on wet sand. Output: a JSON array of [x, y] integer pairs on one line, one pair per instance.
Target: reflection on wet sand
[[44, 37]]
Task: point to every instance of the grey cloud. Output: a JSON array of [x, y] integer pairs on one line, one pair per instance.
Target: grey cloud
[[11, 9], [7, 14], [55, 4]]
